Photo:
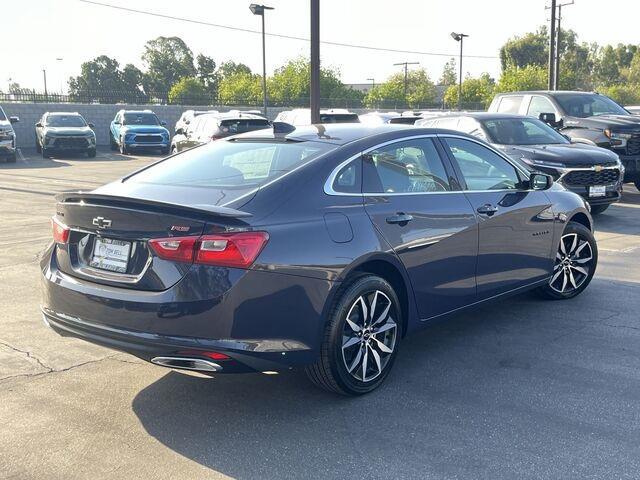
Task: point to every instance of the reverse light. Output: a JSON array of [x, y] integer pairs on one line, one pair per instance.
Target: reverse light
[[60, 231], [237, 250]]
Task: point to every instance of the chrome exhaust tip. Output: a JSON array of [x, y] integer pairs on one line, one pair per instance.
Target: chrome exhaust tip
[[186, 363]]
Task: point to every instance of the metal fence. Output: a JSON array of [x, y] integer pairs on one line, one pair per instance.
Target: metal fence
[[162, 98]]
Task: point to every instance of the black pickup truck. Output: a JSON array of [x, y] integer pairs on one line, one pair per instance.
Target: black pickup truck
[[584, 117]]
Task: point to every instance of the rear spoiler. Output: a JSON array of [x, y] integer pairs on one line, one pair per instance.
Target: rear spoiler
[[98, 198]]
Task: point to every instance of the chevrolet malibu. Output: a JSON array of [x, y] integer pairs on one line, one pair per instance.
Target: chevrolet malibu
[[319, 247]]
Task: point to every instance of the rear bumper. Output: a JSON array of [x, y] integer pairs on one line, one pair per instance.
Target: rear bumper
[[261, 320]]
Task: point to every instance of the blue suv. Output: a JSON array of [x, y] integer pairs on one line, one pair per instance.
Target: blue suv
[[134, 129]]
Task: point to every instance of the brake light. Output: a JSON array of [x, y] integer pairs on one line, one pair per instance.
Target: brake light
[[60, 231], [238, 250]]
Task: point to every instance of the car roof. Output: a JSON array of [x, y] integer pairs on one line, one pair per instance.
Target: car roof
[[137, 111], [482, 116], [339, 133], [547, 92], [64, 114]]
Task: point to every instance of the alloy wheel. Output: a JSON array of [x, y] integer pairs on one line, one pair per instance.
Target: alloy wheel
[[573, 264], [369, 336]]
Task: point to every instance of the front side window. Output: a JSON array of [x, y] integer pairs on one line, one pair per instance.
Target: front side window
[[540, 105], [237, 164], [412, 166], [510, 104], [482, 168]]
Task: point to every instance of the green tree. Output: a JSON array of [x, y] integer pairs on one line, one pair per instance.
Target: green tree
[[476, 92], [207, 74], [189, 91], [623, 94], [167, 60], [102, 79], [449, 75], [228, 69], [530, 49], [240, 89], [420, 91], [515, 79]]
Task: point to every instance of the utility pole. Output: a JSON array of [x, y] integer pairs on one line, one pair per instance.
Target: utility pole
[[44, 75], [552, 47], [556, 78], [314, 99], [406, 74]]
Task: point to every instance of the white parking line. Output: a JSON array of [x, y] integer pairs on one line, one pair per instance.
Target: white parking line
[[22, 157]]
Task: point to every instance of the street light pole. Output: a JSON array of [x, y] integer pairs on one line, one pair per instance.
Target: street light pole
[[552, 47], [556, 77], [459, 37], [44, 76], [259, 10], [314, 88]]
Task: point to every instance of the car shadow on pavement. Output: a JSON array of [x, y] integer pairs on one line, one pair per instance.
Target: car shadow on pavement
[[477, 396]]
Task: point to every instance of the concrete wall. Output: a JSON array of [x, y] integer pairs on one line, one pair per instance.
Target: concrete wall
[[101, 115]]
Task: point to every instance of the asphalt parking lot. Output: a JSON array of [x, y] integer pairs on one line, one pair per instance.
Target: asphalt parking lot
[[521, 389]]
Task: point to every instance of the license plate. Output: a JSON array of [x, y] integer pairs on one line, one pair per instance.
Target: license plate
[[110, 254], [597, 191]]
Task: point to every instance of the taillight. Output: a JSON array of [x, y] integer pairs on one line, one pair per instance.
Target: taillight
[[226, 249], [60, 231]]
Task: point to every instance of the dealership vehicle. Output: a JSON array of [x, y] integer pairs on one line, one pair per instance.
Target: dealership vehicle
[[187, 117], [302, 116], [213, 126], [584, 117], [138, 129], [633, 109], [320, 246], [592, 172], [378, 118], [7, 137], [65, 132]]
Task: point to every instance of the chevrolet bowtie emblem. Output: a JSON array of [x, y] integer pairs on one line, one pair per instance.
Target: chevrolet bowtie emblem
[[598, 168], [102, 222]]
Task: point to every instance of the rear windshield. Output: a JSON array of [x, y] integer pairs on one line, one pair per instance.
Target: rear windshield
[[140, 119], [339, 118], [243, 125], [404, 120], [522, 131], [65, 121], [231, 164]]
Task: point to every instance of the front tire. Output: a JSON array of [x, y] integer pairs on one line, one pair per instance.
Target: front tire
[[112, 142], [123, 147], [45, 153], [637, 184], [361, 339], [598, 209], [11, 158], [91, 153], [38, 146], [575, 263]]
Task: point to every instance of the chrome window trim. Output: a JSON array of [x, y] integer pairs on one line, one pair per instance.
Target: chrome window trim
[[328, 184]]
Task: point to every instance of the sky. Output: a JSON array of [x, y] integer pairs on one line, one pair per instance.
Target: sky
[[36, 33]]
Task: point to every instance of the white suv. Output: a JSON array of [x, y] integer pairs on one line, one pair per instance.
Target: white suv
[[7, 137]]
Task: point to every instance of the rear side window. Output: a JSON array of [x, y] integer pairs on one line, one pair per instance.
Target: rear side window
[[540, 105], [243, 125], [411, 166], [339, 118], [349, 178], [237, 164], [510, 104]]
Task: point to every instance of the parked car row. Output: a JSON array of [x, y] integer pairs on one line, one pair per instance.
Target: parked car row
[[7, 137]]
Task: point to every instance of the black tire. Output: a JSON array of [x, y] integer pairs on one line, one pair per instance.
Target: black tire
[[38, 146], [91, 153], [45, 153], [123, 147], [330, 372], [164, 151], [637, 184], [598, 209], [11, 158], [112, 142], [555, 289], [174, 150]]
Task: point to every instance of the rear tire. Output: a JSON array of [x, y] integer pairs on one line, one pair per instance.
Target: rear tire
[[360, 342], [637, 184], [11, 158], [91, 153], [165, 151], [598, 209], [574, 265], [45, 153]]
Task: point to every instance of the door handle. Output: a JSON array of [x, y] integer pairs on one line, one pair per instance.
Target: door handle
[[487, 209], [401, 218]]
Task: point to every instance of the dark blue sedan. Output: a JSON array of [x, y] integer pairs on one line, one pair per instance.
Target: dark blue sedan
[[320, 246]]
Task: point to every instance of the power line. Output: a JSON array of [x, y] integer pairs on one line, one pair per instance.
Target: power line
[[278, 35]]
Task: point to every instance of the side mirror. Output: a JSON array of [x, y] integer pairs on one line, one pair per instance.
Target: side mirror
[[540, 181], [92, 125], [116, 122], [14, 119], [39, 124], [179, 131], [164, 124], [549, 119]]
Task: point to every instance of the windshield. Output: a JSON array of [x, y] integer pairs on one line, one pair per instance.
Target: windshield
[[73, 121], [588, 105], [140, 119], [521, 131], [235, 164]]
